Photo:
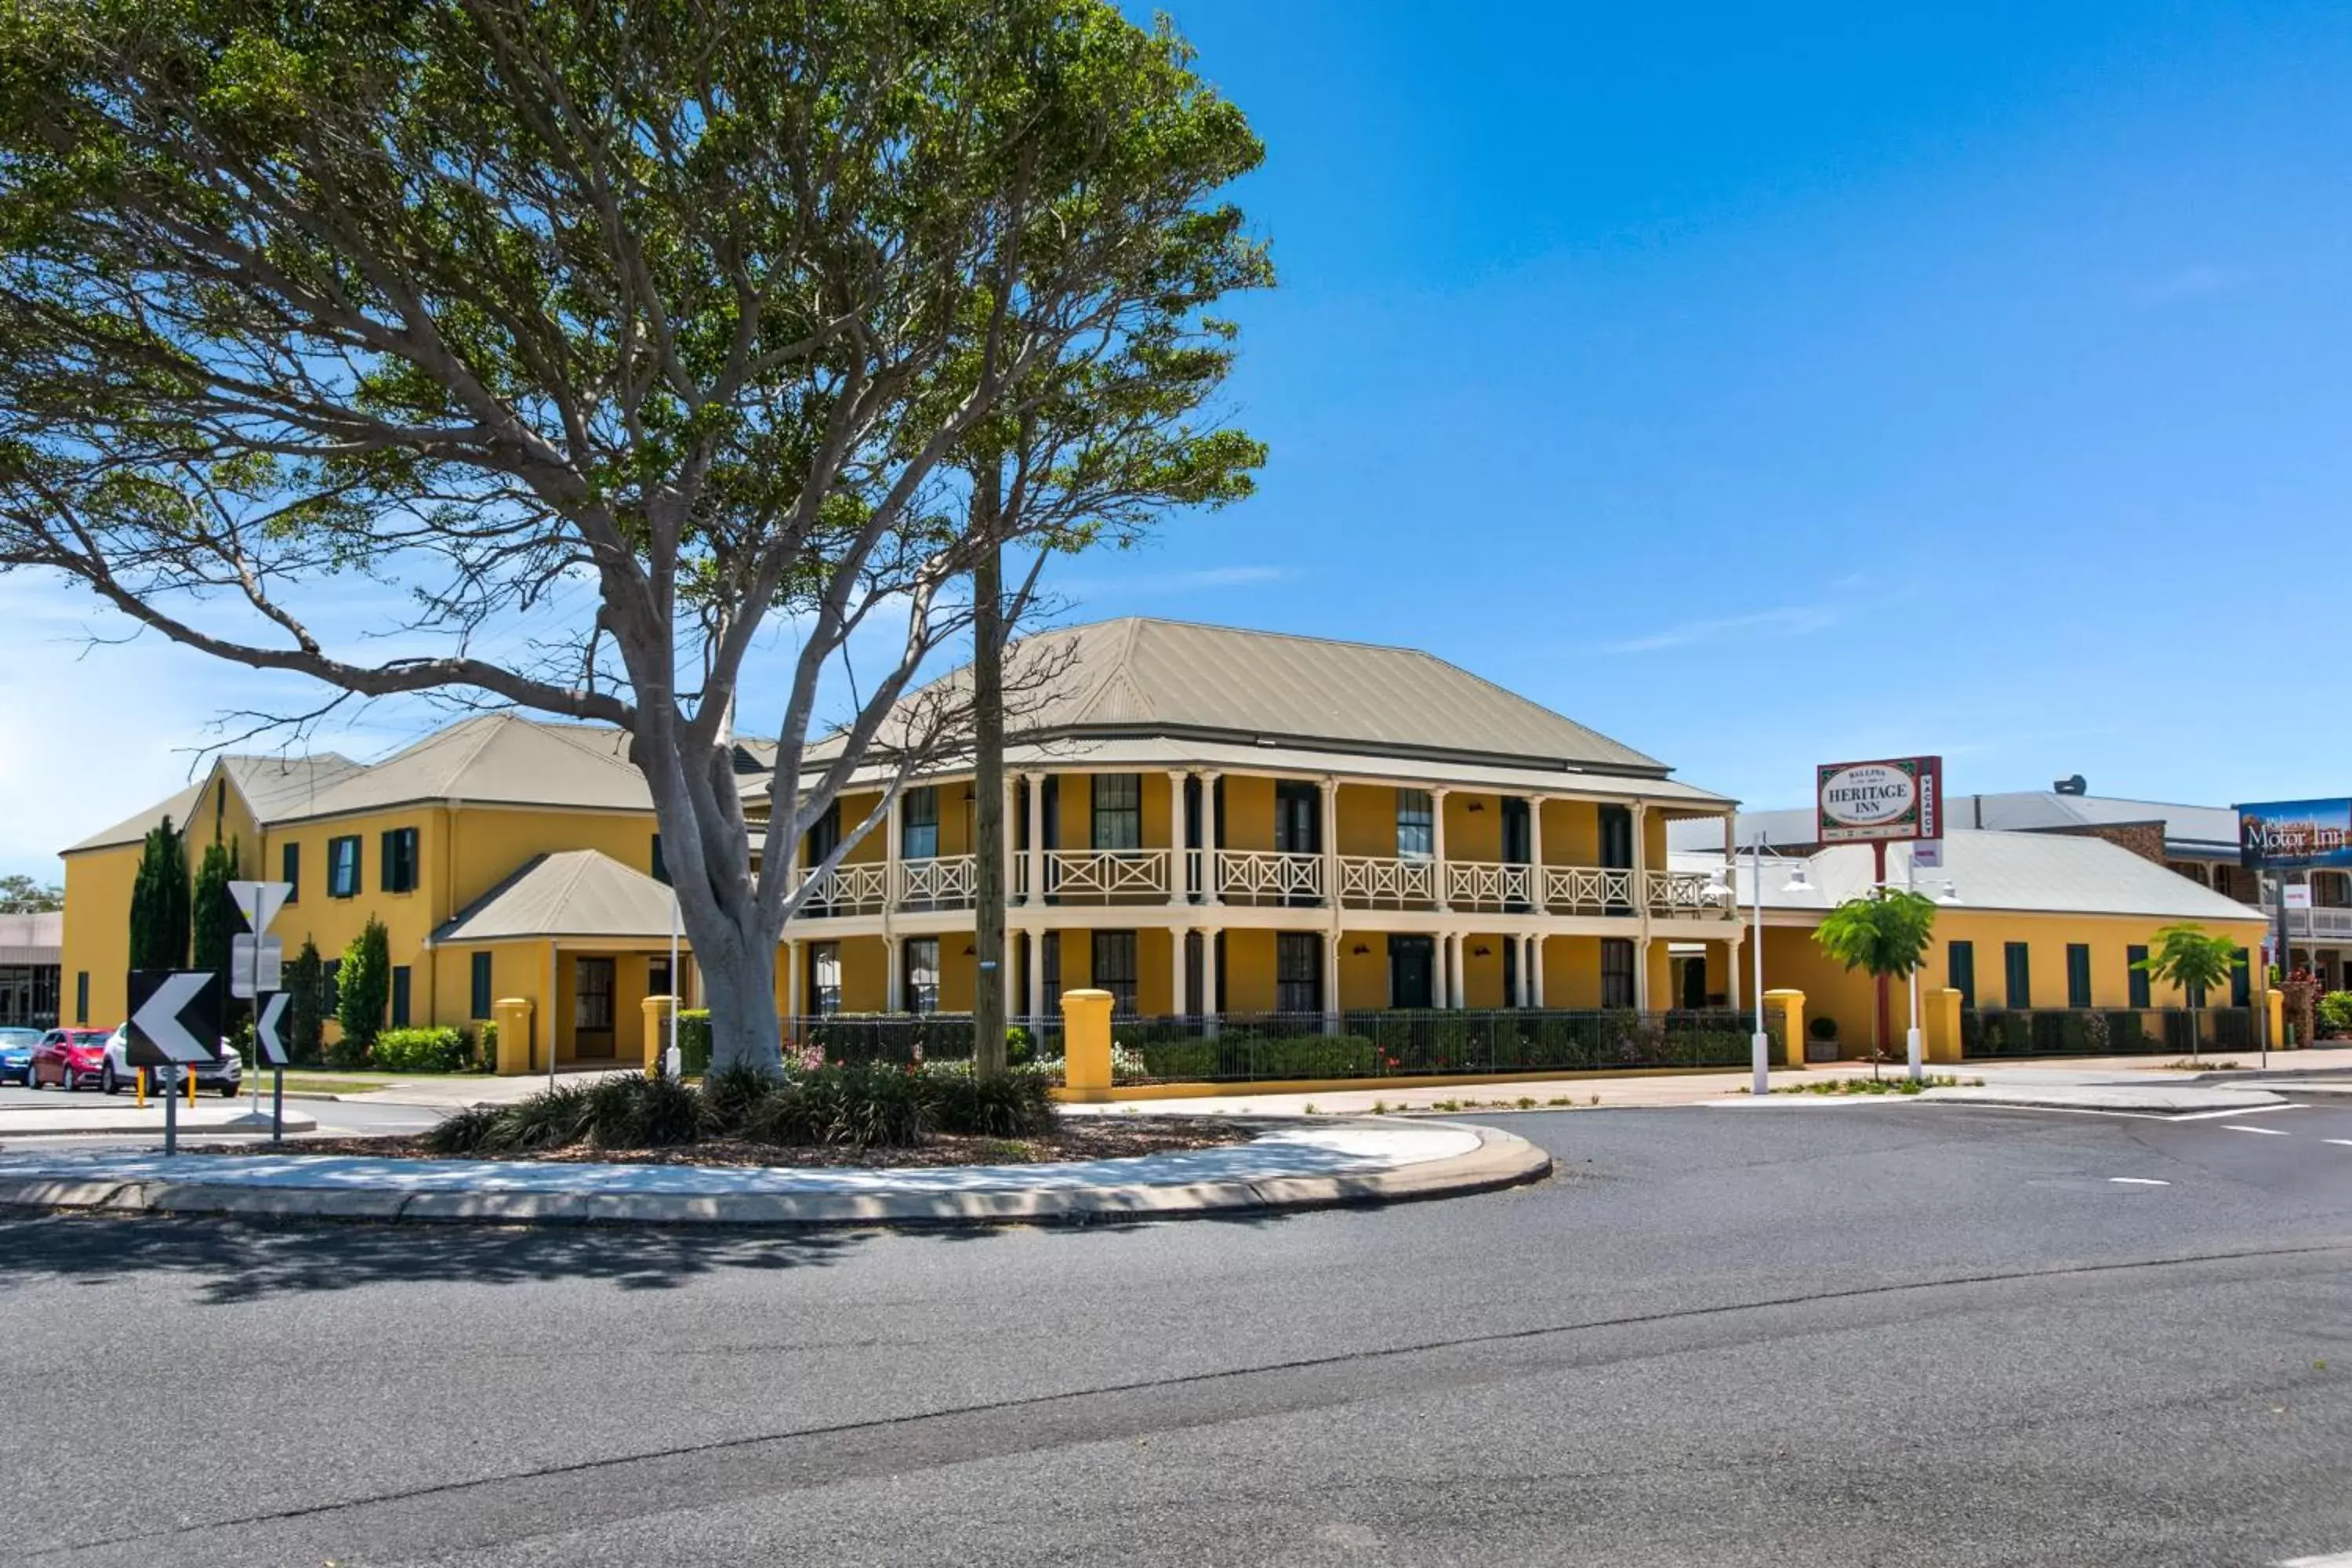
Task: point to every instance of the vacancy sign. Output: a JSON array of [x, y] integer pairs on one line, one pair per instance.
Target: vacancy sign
[[1864, 803]]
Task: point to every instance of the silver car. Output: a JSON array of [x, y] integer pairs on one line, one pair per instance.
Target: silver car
[[222, 1077]]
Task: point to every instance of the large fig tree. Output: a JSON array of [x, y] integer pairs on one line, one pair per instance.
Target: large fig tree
[[633, 339]]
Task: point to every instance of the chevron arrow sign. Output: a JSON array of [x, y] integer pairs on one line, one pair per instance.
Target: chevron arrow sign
[[266, 1026], [174, 1017]]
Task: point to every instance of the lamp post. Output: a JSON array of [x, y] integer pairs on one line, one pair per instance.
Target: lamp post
[[1911, 1038], [1760, 1044]]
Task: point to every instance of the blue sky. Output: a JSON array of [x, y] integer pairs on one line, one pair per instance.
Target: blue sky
[[1758, 386]]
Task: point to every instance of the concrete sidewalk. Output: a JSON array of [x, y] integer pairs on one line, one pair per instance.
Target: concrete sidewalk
[[1284, 1168], [115, 1118]]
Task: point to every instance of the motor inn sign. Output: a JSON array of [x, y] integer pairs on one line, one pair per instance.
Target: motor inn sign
[[1875, 803]]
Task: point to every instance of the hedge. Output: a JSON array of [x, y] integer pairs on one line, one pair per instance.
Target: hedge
[[421, 1050]]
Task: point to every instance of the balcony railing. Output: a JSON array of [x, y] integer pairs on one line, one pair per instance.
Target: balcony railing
[[1379, 884], [847, 890], [1688, 893], [1489, 885], [1269, 876], [1587, 890], [945, 882], [1107, 875]]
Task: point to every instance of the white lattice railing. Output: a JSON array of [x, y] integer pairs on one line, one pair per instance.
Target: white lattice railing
[[944, 881], [1387, 884], [1268, 877], [1686, 893], [1587, 890], [849, 889], [1489, 885], [1106, 873]]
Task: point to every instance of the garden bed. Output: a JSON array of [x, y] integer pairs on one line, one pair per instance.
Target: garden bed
[[1108, 1137]]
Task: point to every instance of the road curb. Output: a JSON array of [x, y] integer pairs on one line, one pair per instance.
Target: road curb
[[1501, 1160]]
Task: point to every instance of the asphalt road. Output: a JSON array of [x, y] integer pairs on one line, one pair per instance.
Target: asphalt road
[[335, 1118], [1829, 1333]]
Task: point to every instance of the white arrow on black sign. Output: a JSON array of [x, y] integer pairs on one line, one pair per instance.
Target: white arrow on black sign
[[265, 1030], [174, 1018]]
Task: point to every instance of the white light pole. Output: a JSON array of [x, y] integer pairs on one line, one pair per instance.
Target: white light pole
[[1760, 1044], [673, 1064]]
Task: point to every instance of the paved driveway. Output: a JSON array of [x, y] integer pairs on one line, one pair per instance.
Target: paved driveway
[[1835, 1333]]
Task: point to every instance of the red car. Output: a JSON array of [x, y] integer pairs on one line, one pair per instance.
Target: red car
[[68, 1059]]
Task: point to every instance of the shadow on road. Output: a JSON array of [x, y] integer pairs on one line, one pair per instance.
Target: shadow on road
[[243, 1260], [234, 1260]]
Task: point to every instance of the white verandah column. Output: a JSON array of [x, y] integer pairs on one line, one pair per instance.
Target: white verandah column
[[1180, 840]]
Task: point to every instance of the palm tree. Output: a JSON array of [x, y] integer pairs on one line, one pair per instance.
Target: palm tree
[[1885, 933], [2194, 959]]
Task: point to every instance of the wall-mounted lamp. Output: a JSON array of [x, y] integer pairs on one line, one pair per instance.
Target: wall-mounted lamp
[[967, 949], [1480, 951], [1478, 806], [1360, 949]]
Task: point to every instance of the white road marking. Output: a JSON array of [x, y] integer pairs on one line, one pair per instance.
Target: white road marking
[[2331, 1560], [2347, 1142], [2265, 1131], [2140, 1181]]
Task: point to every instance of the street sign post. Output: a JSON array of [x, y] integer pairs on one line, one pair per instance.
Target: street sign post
[[174, 1024], [257, 966], [257, 969], [269, 1046]]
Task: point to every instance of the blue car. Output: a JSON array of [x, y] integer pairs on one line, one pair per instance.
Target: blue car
[[16, 1054]]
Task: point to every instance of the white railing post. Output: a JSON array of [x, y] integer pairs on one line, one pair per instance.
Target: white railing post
[[1179, 840], [1212, 823], [1209, 983], [1541, 900], [1437, 841], [1034, 893]]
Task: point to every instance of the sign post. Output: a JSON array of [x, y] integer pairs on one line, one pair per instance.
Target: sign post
[[2282, 836], [257, 969], [1894, 800], [174, 1023]]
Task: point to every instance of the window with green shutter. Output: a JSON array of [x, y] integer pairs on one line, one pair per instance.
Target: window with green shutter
[[2078, 974]]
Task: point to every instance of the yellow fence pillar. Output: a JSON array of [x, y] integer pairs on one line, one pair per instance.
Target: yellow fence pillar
[[512, 1015], [1793, 1009], [1939, 1012], [1086, 1045], [2276, 1000], [656, 1029]]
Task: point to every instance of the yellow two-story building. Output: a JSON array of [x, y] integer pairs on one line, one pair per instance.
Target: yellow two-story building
[[1207, 822], [1204, 822]]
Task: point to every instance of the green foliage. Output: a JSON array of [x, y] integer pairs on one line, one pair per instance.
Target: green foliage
[[1014, 1104], [694, 1041], [159, 902], [213, 913], [2335, 1013], [20, 895], [2191, 957], [1883, 933], [306, 1005], [466, 1133], [363, 984], [421, 1050], [631, 1111], [731, 1095]]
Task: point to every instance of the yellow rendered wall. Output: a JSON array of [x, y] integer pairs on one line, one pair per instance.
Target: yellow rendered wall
[[1482, 977], [1249, 970], [1368, 820], [1571, 833], [1473, 826], [1653, 840], [98, 932], [1793, 960], [1249, 812], [1363, 976], [1661, 995], [1572, 971]]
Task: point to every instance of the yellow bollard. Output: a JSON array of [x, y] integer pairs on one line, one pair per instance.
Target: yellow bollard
[[1939, 1011], [657, 1010], [2274, 1000], [1792, 1007], [192, 1089], [142, 1088], [1086, 1045], [513, 1016]]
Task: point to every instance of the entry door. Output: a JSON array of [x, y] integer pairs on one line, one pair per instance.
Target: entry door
[[1412, 967], [1297, 824], [592, 1007]]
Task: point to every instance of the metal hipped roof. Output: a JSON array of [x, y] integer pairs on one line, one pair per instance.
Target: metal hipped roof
[[2037, 872], [575, 893]]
